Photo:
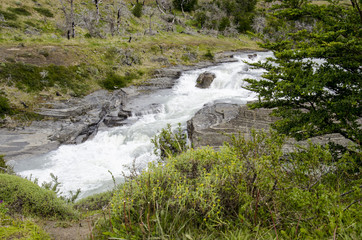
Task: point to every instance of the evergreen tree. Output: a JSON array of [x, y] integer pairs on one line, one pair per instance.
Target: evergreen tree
[[314, 82]]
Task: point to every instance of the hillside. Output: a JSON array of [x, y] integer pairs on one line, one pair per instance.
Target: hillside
[[109, 43]]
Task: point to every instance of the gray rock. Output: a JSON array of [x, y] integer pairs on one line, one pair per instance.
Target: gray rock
[[252, 56], [214, 124], [205, 79]]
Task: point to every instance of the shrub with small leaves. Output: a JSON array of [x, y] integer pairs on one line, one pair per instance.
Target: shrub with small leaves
[[170, 143], [248, 185], [137, 10]]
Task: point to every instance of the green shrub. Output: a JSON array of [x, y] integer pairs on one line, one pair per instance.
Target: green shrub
[[248, 187], [208, 55], [201, 18], [8, 16], [19, 11], [25, 197], [224, 23], [4, 106], [44, 11], [187, 6], [114, 81], [170, 143], [137, 10], [4, 168]]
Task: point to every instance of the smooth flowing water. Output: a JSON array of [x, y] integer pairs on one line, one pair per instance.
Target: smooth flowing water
[[87, 165]]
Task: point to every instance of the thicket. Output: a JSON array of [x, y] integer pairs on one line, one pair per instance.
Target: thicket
[[248, 189]]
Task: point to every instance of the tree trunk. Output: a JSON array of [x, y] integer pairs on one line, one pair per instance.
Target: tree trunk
[[72, 18]]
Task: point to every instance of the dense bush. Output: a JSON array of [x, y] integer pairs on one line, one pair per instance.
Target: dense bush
[[185, 5], [248, 188], [25, 197], [201, 18], [137, 10], [114, 81], [224, 23], [169, 143]]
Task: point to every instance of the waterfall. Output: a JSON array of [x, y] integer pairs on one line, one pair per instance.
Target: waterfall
[[87, 165]]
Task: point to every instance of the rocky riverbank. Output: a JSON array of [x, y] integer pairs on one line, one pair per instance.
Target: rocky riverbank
[[78, 119], [216, 122]]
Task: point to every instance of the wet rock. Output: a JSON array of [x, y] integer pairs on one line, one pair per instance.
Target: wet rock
[[245, 68], [252, 56], [205, 79]]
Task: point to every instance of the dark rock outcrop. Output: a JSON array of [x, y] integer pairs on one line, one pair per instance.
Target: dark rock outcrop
[[205, 79]]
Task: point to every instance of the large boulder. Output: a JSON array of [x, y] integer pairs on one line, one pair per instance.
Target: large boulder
[[215, 123], [205, 79]]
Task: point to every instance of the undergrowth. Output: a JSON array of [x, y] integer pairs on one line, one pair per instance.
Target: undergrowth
[[247, 190]]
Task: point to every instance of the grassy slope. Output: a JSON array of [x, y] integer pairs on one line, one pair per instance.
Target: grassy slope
[[36, 39]]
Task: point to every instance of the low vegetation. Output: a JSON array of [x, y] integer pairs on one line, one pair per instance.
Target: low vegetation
[[25, 197], [15, 228], [247, 190]]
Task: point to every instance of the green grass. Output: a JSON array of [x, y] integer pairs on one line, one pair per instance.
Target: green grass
[[13, 228], [31, 78], [25, 197]]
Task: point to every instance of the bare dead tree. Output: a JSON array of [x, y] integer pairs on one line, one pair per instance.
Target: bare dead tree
[[159, 7], [96, 2], [69, 18], [150, 27]]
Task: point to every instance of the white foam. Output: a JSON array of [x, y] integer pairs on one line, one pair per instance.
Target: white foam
[[86, 165]]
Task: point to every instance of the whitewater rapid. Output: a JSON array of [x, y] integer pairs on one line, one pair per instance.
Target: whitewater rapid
[[88, 165]]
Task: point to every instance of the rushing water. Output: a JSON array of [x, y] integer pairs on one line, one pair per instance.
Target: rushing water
[[87, 165]]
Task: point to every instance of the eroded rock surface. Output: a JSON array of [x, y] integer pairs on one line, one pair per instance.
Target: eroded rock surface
[[215, 123]]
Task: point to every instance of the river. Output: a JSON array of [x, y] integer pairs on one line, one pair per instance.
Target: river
[[88, 165]]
